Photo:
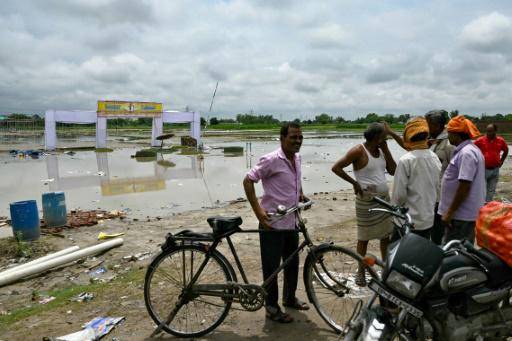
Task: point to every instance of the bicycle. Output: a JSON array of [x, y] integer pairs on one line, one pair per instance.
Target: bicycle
[[190, 286]]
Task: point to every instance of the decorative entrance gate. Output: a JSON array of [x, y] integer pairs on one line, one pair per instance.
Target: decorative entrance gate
[[119, 109]]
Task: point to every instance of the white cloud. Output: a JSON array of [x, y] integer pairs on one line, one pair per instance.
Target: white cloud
[[293, 58], [329, 36], [489, 34]]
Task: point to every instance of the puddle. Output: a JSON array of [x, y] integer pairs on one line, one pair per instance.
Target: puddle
[[167, 184]]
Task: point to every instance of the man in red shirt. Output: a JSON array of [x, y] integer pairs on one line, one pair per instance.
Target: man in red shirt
[[492, 147]]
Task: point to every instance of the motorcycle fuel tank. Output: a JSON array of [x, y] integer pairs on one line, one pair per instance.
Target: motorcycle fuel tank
[[459, 272], [416, 258]]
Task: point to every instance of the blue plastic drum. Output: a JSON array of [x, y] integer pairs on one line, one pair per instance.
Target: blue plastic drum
[[25, 220], [54, 209]]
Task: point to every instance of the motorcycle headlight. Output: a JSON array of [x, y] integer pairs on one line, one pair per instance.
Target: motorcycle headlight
[[403, 285]]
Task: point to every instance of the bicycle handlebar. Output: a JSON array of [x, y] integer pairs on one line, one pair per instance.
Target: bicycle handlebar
[[284, 212]]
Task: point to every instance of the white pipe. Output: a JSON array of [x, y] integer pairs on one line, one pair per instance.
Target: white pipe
[[55, 262], [42, 259]]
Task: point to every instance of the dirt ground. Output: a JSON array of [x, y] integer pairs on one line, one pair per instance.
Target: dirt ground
[[331, 219], [119, 291]]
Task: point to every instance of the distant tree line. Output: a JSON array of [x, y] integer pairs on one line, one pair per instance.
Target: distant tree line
[[248, 119]]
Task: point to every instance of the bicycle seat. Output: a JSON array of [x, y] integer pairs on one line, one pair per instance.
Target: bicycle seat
[[194, 235], [224, 225]]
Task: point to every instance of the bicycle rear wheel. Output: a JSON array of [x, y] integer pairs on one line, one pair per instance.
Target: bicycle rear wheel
[[329, 278], [167, 277]]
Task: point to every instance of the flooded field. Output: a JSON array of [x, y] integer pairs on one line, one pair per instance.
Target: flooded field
[[171, 183]]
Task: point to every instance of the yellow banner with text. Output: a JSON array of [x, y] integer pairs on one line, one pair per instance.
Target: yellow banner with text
[[126, 108]]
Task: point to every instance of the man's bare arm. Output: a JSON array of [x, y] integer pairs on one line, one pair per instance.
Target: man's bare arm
[[504, 155], [394, 135], [338, 168], [250, 193], [390, 162]]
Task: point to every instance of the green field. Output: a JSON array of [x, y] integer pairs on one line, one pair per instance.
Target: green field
[[313, 127]]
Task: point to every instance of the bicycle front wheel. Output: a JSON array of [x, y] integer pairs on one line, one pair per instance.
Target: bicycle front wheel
[[167, 277], [329, 278]]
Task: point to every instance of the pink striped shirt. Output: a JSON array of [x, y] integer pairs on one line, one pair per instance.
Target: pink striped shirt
[[281, 184]]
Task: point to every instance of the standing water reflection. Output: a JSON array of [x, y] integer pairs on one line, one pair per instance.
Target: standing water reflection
[[171, 183]]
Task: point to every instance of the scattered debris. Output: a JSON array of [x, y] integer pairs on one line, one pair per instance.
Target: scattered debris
[[145, 153], [8, 277], [48, 180], [78, 218], [93, 330], [45, 299], [95, 265], [238, 200], [83, 297], [188, 141], [69, 152], [137, 257], [99, 271], [104, 235], [53, 234]]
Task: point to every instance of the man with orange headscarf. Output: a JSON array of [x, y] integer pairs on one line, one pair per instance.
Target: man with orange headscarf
[[417, 177], [463, 184]]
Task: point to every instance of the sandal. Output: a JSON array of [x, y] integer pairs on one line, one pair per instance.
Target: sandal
[[360, 278], [275, 314], [297, 305]]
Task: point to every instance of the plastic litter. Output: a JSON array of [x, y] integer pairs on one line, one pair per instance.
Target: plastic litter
[[103, 235], [46, 299], [98, 271], [93, 330], [83, 297]]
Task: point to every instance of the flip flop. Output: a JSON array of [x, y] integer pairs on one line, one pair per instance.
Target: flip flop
[[275, 314], [297, 305]]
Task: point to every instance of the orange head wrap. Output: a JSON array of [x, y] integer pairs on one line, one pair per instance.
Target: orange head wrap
[[460, 124], [415, 126]]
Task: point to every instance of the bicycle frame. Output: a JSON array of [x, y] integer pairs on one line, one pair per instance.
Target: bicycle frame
[[233, 291], [212, 289]]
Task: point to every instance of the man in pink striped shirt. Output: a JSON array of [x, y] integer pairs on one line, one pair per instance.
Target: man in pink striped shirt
[[280, 174]]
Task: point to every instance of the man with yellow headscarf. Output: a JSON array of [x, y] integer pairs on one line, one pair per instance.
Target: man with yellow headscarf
[[417, 177], [463, 185]]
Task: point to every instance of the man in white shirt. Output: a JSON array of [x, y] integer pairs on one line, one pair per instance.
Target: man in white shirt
[[417, 177]]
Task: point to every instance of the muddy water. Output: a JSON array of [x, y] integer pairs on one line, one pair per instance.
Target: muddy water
[[172, 183]]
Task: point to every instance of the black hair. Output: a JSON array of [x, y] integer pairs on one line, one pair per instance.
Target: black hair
[[464, 136], [373, 130], [419, 137], [439, 117], [288, 125], [494, 126]]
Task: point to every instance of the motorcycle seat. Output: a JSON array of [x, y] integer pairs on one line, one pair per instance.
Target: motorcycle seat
[[224, 225], [499, 271]]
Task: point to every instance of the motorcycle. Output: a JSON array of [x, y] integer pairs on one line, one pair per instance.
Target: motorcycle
[[453, 293]]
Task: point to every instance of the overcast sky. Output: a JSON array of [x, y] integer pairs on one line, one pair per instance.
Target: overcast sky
[[294, 58]]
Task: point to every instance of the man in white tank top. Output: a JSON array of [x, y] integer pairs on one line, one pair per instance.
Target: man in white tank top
[[370, 162]]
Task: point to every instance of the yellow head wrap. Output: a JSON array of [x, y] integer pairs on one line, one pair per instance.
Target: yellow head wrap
[[415, 126]]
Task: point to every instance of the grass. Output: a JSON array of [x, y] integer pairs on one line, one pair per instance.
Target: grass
[[104, 150], [112, 289], [11, 248], [306, 127]]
